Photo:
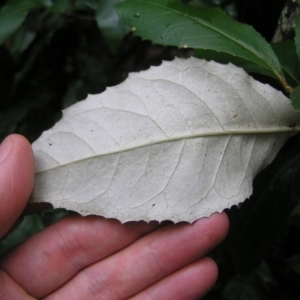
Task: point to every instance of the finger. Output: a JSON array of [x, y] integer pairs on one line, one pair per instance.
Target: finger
[[50, 258], [16, 179], [189, 283], [148, 260], [9, 289]]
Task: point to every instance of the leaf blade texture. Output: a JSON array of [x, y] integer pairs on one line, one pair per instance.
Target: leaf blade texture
[[173, 23], [177, 142]]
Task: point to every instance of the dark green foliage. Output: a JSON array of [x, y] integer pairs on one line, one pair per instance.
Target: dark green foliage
[[54, 53], [295, 97], [13, 15], [286, 53], [173, 23], [263, 218], [56, 58], [112, 28]]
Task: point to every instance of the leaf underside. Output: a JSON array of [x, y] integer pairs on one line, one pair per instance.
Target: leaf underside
[[177, 142]]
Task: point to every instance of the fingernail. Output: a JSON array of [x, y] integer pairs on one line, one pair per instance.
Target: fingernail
[[5, 148]]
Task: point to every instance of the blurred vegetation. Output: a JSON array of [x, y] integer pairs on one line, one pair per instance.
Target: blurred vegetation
[[57, 56], [55, 52]]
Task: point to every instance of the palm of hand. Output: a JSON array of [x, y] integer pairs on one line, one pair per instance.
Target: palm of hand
[[95, 258]]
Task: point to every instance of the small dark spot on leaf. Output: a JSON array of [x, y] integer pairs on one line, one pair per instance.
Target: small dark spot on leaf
[[293, 125], [50, 144]]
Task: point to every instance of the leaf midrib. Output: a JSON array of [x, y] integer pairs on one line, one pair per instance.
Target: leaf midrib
[[218, 133]]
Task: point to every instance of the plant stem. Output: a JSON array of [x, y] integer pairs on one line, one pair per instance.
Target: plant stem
[[284, 84]]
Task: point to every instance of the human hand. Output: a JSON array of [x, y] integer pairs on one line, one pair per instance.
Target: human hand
[[97, 258]]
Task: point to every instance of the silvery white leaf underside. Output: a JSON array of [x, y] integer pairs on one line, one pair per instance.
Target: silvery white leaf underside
[[176, 142]]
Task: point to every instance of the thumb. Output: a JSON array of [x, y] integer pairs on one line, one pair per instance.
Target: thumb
[[16, 179]]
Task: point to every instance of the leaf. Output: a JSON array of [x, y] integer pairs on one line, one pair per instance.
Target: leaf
[[12, 16], [88, 3], [262, 220], [295, 97], [286, 53], [110, 24], [297, 36], [250, 287], [173, 23], [177, 142], [25, 35], [294, 263], [61, 6]]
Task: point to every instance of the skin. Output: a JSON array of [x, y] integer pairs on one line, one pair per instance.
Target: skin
[[97, 258]]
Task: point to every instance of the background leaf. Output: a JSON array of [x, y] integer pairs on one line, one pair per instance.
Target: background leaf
[[13, 15], [112, 28], [262, 219], [251, 286], [295, 97], [297, 36], [85, 5], [166, 21], [61, 6], [286, 53], [224, 58]]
